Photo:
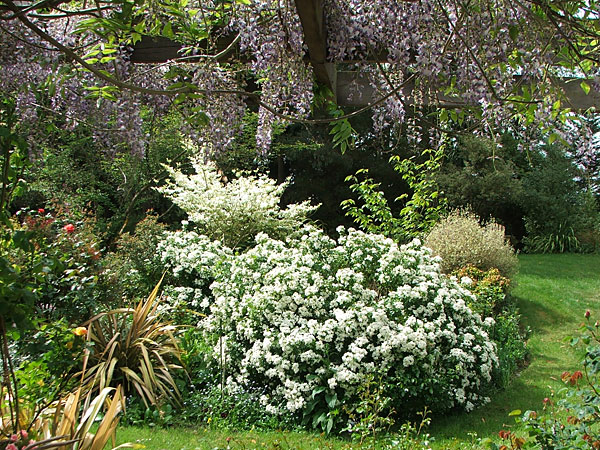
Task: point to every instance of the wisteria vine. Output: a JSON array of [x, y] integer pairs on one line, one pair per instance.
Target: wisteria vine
[[502, 59]]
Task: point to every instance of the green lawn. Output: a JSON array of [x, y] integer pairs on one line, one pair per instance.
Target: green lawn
[[552, 292]]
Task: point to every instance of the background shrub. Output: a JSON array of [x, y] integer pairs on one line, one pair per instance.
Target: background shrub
[[133, 269], [556, 206], [543, 195], [460, 240], [483, 176], [62, 260]]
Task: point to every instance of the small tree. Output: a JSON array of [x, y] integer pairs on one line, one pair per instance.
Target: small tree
[[234, 212]]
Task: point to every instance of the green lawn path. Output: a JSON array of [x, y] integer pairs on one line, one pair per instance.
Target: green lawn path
[[552, 292]]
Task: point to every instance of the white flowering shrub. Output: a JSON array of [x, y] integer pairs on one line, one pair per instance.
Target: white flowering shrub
[[191, 260], [312, 318], [234, 212]]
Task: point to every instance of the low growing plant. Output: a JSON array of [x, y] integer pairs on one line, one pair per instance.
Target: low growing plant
[[491, 299], [488, 286], [560, 240], [372, 416]]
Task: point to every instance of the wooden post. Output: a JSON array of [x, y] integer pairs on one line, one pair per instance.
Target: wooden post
[[315, 38]]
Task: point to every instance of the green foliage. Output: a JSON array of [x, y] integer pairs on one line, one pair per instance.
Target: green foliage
[[560, 239], [243, 156], [138, 414], [492, 299], [48, 357], [16, 291], [318, 172], [370, 422], [422, 209], [588, 233], [556, 209], [375, 215], [511, 343], [215, 408], [372, 415], [133, 268], [115, 188], [581, 401], [540, 195], [483, 176], [460, 240], [489, 287], [62, 263], [425, 206], [343, 133]]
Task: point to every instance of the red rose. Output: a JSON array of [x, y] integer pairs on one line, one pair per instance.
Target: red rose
[[41, 210], [69, 228]]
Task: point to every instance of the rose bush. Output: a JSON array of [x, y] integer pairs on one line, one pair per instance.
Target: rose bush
[[311, 318]]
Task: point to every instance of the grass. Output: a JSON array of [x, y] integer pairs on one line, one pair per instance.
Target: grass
[[552, 292], [206, 439]]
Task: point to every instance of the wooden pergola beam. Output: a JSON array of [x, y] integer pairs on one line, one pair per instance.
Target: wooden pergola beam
[[351, 89], [315, 38], [355, 90], [159, 49]]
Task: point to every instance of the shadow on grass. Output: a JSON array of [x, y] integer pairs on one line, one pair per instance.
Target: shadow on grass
[[541, 318], [491, 418]]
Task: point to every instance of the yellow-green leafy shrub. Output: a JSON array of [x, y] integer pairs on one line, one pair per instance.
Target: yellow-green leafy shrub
[[460, 240]]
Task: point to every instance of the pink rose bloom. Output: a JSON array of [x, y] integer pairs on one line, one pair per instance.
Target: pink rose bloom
[[69, 228], [24, 434], [14, 438], [11, 446]]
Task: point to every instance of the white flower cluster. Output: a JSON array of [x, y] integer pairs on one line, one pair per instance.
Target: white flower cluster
[[191, 259], [234, 212], [313, 313]]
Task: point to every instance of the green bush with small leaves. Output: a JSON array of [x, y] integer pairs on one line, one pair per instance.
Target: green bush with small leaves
[[460, 240]]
